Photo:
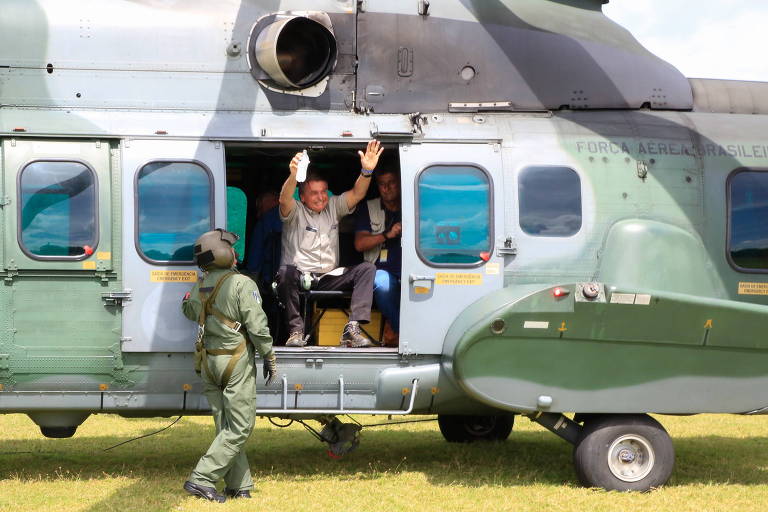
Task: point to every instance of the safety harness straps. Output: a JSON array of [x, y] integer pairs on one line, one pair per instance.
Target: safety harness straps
[[236, 353]]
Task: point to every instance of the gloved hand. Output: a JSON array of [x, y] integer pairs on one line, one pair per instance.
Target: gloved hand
[[270, 368]]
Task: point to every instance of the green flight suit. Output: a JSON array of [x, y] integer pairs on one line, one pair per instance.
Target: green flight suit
[[234, 407]]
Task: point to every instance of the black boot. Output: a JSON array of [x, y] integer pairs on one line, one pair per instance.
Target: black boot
[[242, 493], [206, 493]]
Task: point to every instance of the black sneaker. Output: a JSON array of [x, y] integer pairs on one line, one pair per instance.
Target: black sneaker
[[296, 339], [206, 493], [353, 337]]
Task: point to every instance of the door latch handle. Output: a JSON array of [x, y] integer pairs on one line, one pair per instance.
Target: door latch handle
[[413, 278], [116, 298], [507, 246]]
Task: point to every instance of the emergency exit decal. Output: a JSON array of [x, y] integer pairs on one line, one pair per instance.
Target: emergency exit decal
[[446, 278], [753, 288], [173, 276]]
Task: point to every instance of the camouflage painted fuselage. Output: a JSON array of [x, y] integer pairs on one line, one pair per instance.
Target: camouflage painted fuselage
[[506, 86]]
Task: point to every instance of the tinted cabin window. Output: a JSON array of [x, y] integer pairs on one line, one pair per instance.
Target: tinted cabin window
[[454, 215], [57, 210], [550, 201], [748, 244], [174, 208]]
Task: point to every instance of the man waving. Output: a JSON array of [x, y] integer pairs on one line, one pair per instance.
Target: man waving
[[310, 243]]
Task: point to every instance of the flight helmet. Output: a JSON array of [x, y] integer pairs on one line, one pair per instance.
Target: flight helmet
[[214, 249]]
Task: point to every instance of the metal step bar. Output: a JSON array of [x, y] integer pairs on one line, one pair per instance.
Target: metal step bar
[[341, 410]]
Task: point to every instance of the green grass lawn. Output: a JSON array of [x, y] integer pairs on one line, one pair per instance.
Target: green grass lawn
[[722, 464]]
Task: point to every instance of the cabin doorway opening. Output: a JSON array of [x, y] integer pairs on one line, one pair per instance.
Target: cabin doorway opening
[[255, 175]]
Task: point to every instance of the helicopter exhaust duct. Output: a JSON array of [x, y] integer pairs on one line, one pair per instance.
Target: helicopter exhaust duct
[[294, 50]]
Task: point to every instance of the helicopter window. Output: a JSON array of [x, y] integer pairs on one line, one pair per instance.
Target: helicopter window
[[174, 206], [57, 210], [454, 210], [748, 232], [550, 201]]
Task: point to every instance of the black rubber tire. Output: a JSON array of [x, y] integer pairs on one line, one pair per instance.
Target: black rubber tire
[[58, 432], [468, 429], [591, 454]]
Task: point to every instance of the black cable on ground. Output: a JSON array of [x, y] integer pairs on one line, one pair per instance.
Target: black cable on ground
[[272, 421], [145, 435]]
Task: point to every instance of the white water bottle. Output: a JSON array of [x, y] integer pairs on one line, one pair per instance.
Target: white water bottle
[[301, 172]]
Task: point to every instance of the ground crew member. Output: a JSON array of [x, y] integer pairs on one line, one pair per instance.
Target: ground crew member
[[227, 307]]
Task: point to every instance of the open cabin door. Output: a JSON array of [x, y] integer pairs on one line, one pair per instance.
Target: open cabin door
[[173, 191], [451, 219]]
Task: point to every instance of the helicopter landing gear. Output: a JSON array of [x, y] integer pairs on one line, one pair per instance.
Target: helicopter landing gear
[[342, 438], [626, 452], [468, 429]]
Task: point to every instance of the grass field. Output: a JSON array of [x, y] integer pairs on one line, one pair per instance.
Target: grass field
[[722, 464]]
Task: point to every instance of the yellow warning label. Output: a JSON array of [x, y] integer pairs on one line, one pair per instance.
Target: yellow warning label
[[708, 324], [753, 288], [89, 265], [101, 255], [173, 276], [492, 269], [459, 279]]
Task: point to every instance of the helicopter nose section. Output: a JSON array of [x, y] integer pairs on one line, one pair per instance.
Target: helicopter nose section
[[296, 52]]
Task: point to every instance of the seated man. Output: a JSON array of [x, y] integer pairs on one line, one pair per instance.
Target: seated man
[[311, 246], [377, 235]]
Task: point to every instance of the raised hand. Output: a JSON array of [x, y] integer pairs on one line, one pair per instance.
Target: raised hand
[[294, 165], [370, 158]]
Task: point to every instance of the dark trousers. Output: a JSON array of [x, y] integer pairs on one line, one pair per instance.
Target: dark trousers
[[359, 279]]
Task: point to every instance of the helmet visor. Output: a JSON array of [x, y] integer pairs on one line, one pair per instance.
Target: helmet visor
[[228, 236]]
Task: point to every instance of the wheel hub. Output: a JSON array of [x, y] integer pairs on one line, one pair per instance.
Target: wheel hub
[[627, 456], [480, 426], [631, 458]]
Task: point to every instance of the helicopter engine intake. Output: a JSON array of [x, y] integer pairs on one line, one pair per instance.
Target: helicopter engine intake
[[295, 51]]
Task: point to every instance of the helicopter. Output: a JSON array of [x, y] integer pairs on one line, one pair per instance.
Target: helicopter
[[583, 233]]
